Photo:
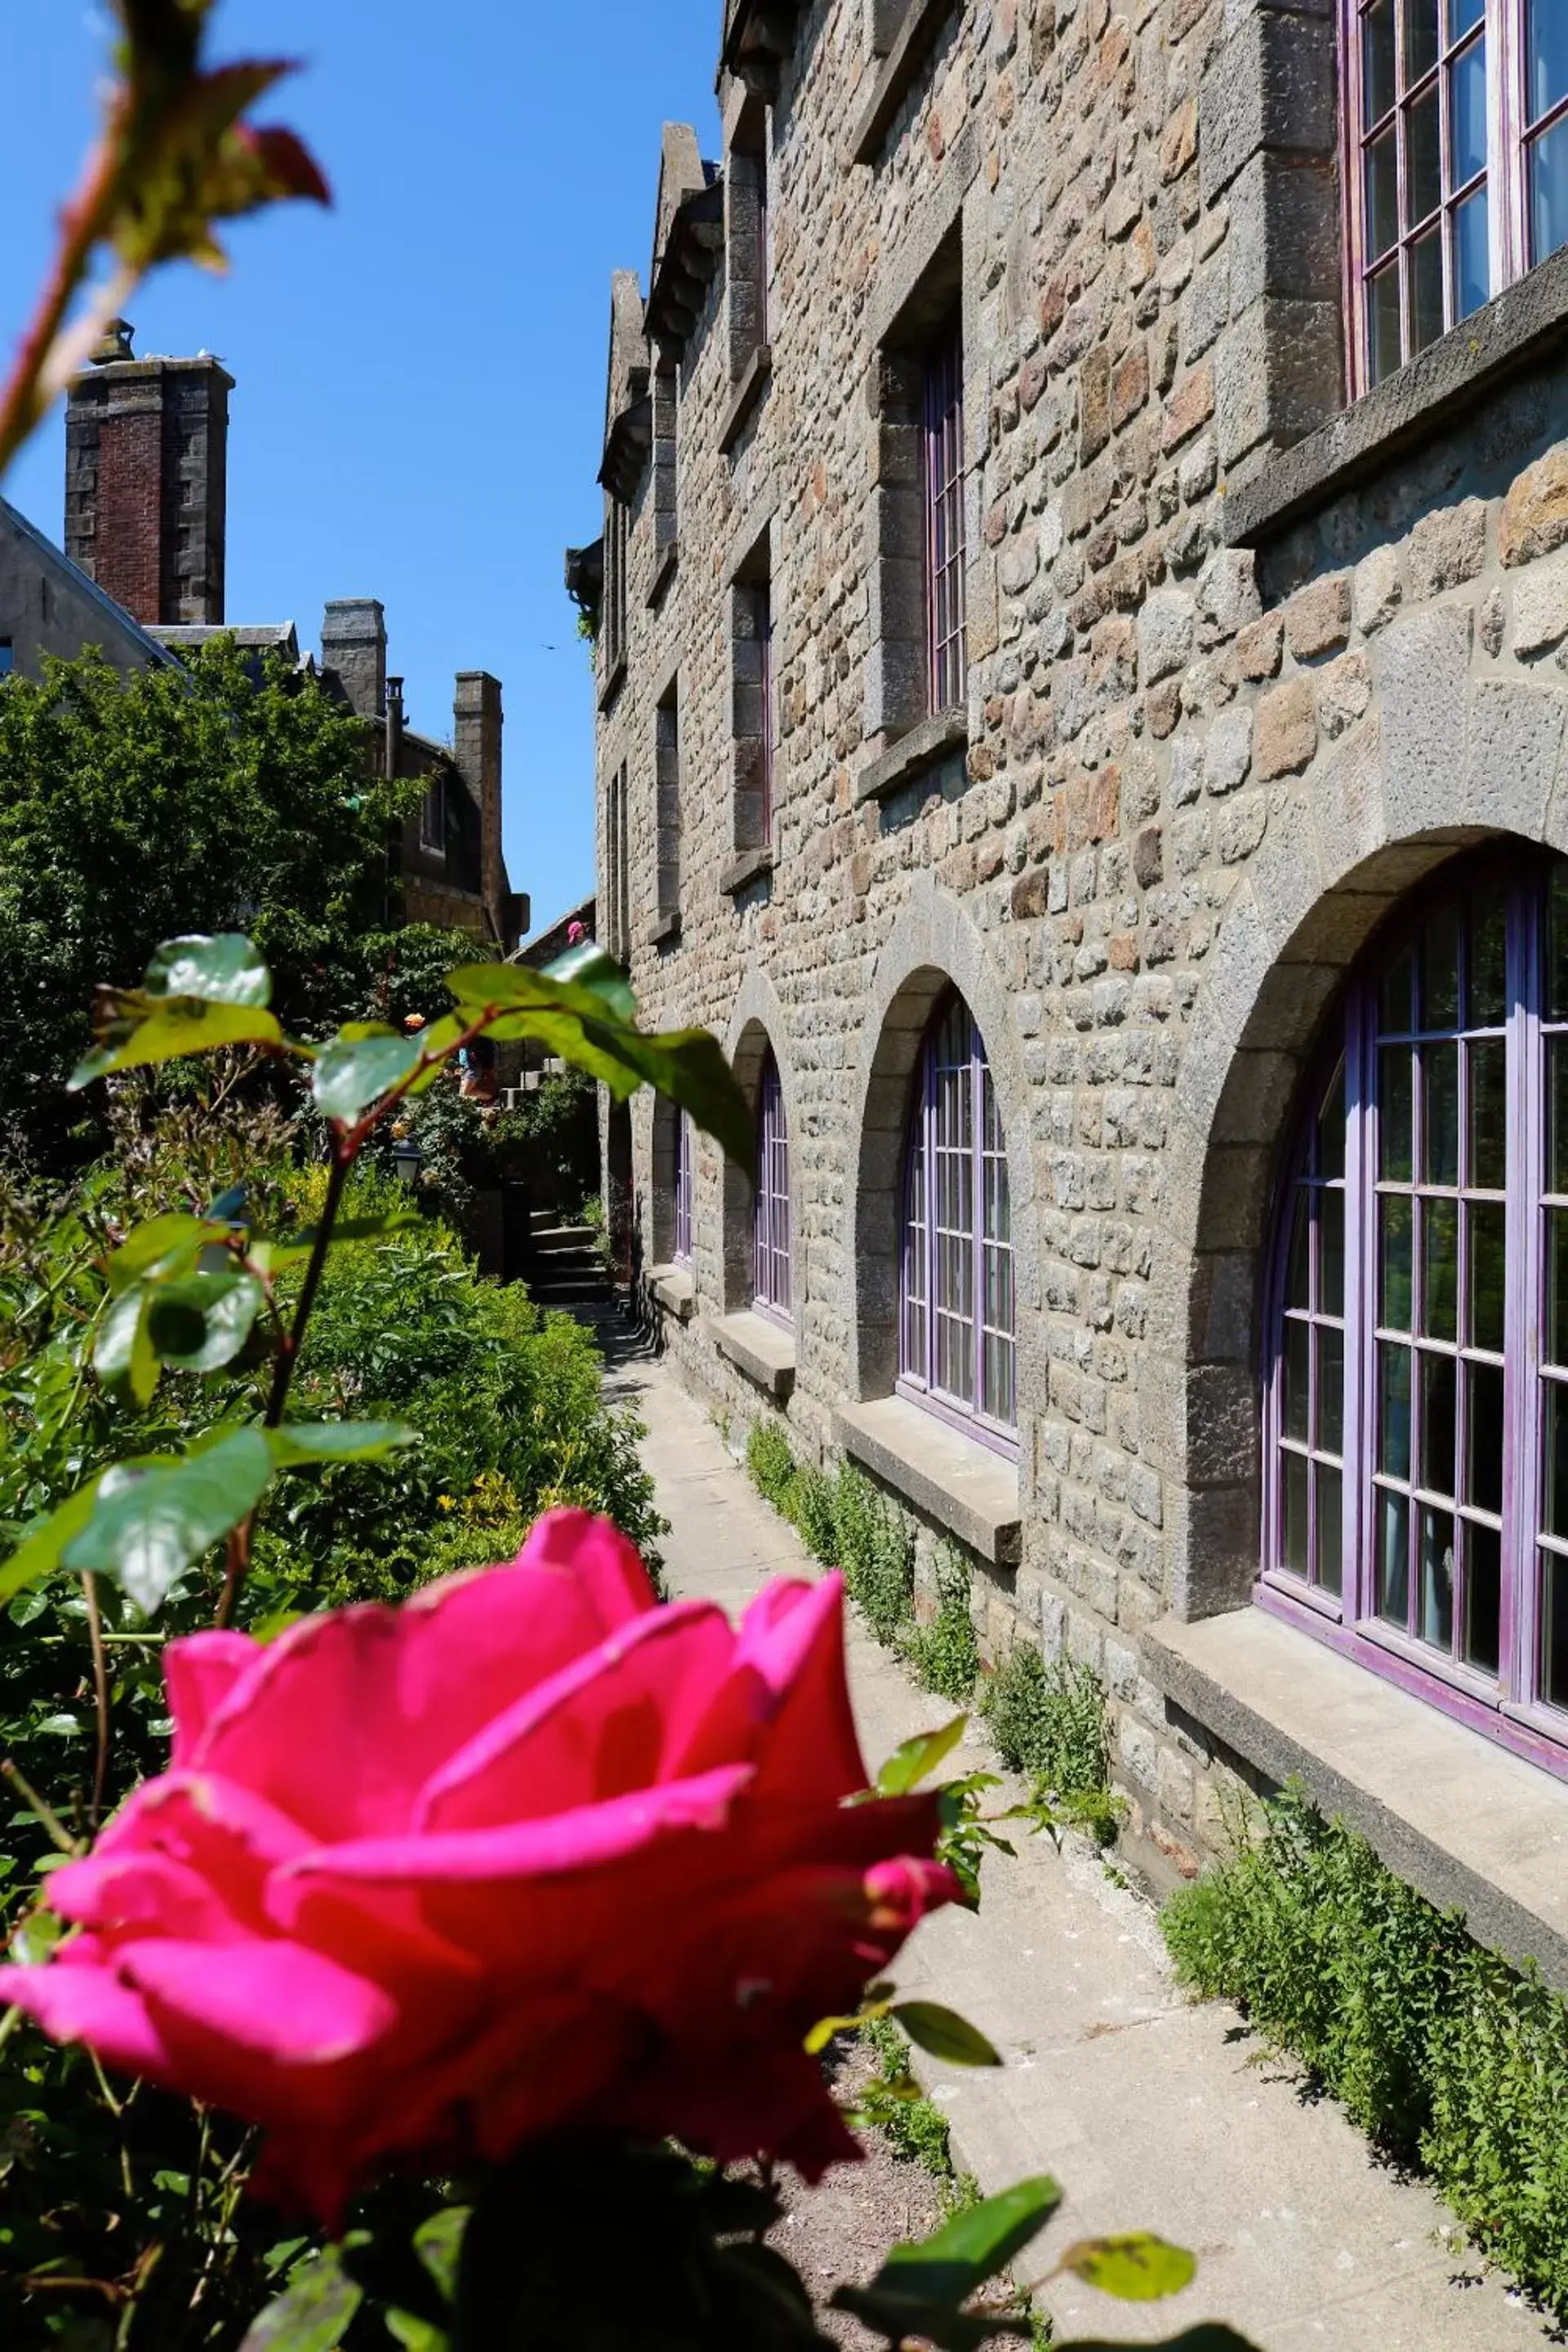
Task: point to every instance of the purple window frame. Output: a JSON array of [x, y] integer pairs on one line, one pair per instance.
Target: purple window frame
[[1463, 1277], [946, 552], [682, 1189], [773, 1286], [957, 1293], [1468, 101]]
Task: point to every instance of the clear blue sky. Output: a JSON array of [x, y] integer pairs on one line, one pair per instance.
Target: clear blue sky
[[420, 371]]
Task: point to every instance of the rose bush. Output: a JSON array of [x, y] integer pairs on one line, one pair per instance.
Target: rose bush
[[528, 1852]]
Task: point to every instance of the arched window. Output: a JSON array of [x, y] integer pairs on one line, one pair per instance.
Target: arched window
[[682, 1189], [957, 1351], [1417, 1424], [774, 1290]]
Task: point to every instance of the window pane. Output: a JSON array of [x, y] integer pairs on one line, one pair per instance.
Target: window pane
[[1332, 1391], [1384, 349], [1331, 1132], [1557, 948], [1557, 1287], [1557, 1115], [1298, 1344], [1463, 15], [1332, 1253], [1395, 1149], [1554, 1514], [1441, 1070], [1382, 195], [1425, 291], [1423, 159], [1489, 1116], [1330, 1529], [1393, 1558], [1394, 1413], [1553, 1630], [1299, 1266], [1295, 1542], [1396, 1287], [1420, 39], [1395, 995], [1484, 1440], [1377, 59], [1488, 1269], [1488, 961], [1472, 256], [1440, 1285], [1549, 191], [1437, 1579], [1467, 114], [1438, 1423], [1440, 972], [1483, 1596], [1546, 56]]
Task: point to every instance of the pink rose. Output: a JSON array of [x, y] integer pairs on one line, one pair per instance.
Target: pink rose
[[529, 1851]]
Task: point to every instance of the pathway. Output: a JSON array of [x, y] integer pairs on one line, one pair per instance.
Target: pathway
[[1155, 2114]]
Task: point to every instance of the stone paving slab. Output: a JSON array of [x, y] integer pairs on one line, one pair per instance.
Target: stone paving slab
[[1153, 2113]]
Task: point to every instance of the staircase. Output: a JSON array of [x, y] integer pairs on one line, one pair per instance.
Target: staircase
[[568, 1275]]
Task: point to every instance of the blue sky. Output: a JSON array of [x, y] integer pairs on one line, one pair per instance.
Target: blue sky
[[420, 371]]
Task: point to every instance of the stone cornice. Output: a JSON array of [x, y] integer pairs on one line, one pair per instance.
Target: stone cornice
[[685, 267], [758, 37]]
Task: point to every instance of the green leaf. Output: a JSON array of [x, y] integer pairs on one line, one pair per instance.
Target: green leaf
[[943, 2033], [297, 1252], [591, 966], [908, 1765], [439, 2243], [942, 2272], [137, 1038], [823, 2031], [353, 1072], [223, 971], [314, 2315], [1138, 2268], [41, 1553], [163, 1246], [417, 2335], [1209, 2335], [201, 1324], [154, 1519], [302, 1445], [123, 1350]]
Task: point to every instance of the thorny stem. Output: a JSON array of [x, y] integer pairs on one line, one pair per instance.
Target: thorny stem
[[82, 224], [43, 1813], [101, 1694]]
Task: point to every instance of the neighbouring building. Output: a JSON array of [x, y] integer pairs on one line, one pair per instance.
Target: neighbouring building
[[144, 578], [1082, 623]]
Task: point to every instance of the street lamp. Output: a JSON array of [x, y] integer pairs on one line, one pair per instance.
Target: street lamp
[[407, 1160]]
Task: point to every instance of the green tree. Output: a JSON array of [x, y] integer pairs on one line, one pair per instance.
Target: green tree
[[214, 799]]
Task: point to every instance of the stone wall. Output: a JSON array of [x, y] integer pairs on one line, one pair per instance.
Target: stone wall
[[1197, 774]]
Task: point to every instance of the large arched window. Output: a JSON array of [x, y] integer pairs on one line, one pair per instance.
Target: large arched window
[[1416, 1465], [775, 1294], [956, 1344]]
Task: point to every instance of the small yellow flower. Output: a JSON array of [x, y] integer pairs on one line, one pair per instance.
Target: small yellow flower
[[445, 1503]]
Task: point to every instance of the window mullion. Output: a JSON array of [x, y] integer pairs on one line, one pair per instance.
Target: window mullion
[[1505, 140], [1361, 1315], [1523, 1413]]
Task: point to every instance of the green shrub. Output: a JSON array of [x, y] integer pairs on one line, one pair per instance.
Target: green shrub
[[812, 1507], [1441, 2052], [946, 1655], [914, 2127], [1050, 1721], [877, 1553], [769, 1464]]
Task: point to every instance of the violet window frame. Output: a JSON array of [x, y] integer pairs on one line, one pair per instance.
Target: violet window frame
[[957, 1284], [1455, 161], [1421, 1240], [946, 550], [683, 1252], [773, 1291]]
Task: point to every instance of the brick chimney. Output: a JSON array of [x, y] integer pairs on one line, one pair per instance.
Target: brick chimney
[[354, 652], [477, 751], [147, 480]]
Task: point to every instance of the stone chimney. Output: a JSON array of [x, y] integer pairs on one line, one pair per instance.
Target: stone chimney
[[147, 480], [477, 751], [354, 652]]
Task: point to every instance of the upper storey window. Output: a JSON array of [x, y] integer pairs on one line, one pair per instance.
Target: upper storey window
[[1460, 115], [616, 551], [946, 550]]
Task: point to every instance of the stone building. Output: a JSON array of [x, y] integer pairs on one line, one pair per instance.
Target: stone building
[[48, 605], [1084, 576]]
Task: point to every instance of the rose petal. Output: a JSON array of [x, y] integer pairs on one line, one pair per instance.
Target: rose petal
[[267, 1998], [787, 1700], [199, 1673], [604, 1564], [74, 2002]]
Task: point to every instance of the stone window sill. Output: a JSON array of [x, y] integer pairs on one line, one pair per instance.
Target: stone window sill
[[750, 866], [753, 385], [960, 1484], [660, 930], [924, 747], [923, 23], [1464, 1823], [760, 1349], [614, 680], [672, 1287], [664, 572], [1448, 378]]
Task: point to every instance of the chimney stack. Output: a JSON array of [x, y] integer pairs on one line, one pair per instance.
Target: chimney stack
[[477, 749], [354, 652], [395, 725], [147, 480]]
